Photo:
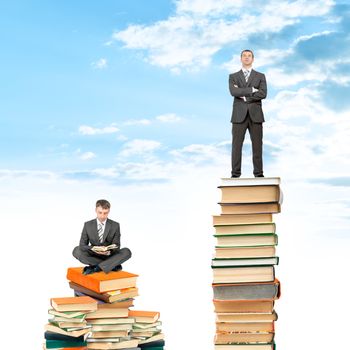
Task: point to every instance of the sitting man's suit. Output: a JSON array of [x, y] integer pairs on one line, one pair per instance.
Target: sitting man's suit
[[247, 114], [90, 238]]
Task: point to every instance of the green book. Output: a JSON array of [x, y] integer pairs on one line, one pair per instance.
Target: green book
[[53, 344], [217, 262], [246, 240], [68, 314]]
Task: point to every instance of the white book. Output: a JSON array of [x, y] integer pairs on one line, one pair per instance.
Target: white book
[[253, 181], [245, 262]]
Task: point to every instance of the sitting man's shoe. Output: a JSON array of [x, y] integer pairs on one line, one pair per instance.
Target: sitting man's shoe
[[88, 269], [97, 269], [235, 175], [260, 175], [117, 268]]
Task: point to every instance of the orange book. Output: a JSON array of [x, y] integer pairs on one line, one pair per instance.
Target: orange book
[[244, 306], [100, 281], [144, 316], [74, 304]]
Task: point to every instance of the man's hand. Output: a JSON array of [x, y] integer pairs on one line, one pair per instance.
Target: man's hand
[[104, 253], [100, 252]]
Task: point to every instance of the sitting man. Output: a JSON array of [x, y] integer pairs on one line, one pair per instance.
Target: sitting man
[[97, 234]]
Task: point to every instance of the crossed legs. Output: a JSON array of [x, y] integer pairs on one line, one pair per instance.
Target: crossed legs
[[106, 263]]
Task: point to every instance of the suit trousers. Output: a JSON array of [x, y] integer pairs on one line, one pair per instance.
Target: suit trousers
[[256, 136], [105, 262]]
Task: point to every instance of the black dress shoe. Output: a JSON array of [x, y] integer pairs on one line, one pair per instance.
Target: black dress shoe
[[117, 268], [235, 175], [88, 269], [260, 175], [97, 269]]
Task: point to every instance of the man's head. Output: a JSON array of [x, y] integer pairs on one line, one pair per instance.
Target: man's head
[[247, 58], [102, 209]]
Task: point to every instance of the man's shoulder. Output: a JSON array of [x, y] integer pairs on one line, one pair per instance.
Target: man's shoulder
[[112, 222], [259, 73]]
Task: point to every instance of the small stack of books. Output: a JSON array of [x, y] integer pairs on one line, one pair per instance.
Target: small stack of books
[[67, 327], [147, 329], [113, 324], [244, 282]]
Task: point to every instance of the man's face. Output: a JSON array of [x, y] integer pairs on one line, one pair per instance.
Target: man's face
[[247, 58], [102, 214]]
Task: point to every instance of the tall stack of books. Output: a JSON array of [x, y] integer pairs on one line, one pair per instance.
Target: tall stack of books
[[113, 324], [244, 283], [67, 327]]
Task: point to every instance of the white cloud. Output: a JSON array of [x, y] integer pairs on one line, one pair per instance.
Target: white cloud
[[209, 7], [169, 118], [311, 136], [139, 147], [138, 122], [313, 35], [164, 118], [122, 138], [106, 172], [310, 73], [189, 38], [197, 153], [280, 78], [87, 155], [23, 173], [100, 64], [89, 130]]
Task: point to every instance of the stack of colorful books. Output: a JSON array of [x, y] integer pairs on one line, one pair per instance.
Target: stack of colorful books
[[67, 327], [113, 324], [244, 283]]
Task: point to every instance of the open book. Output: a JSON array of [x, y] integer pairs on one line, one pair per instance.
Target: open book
[[103, 248]]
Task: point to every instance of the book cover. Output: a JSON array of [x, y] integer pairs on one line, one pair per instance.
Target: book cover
[[101, 282], [84, 303]]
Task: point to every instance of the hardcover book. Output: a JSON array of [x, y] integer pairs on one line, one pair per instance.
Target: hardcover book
[[74, 304], [101, 282], [247, 291]]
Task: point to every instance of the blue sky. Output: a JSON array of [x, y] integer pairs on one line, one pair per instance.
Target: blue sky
[[151, 80], [129, 100]]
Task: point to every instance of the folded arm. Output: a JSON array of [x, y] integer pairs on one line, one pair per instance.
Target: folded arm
[[262, 91], [237, 91]]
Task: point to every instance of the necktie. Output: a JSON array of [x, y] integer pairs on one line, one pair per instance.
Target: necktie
[[100, 231], [246, 75]]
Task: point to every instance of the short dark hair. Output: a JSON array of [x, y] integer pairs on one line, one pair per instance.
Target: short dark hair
[[103, 203], [248, 51]]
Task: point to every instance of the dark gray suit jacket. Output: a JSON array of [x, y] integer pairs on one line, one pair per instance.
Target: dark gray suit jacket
[[253, 100], [89, 235]]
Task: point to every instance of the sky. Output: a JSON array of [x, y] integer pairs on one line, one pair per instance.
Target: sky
[[129, 100]]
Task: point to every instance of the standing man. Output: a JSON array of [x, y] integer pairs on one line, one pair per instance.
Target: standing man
[[101, 232], [248, 88]]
